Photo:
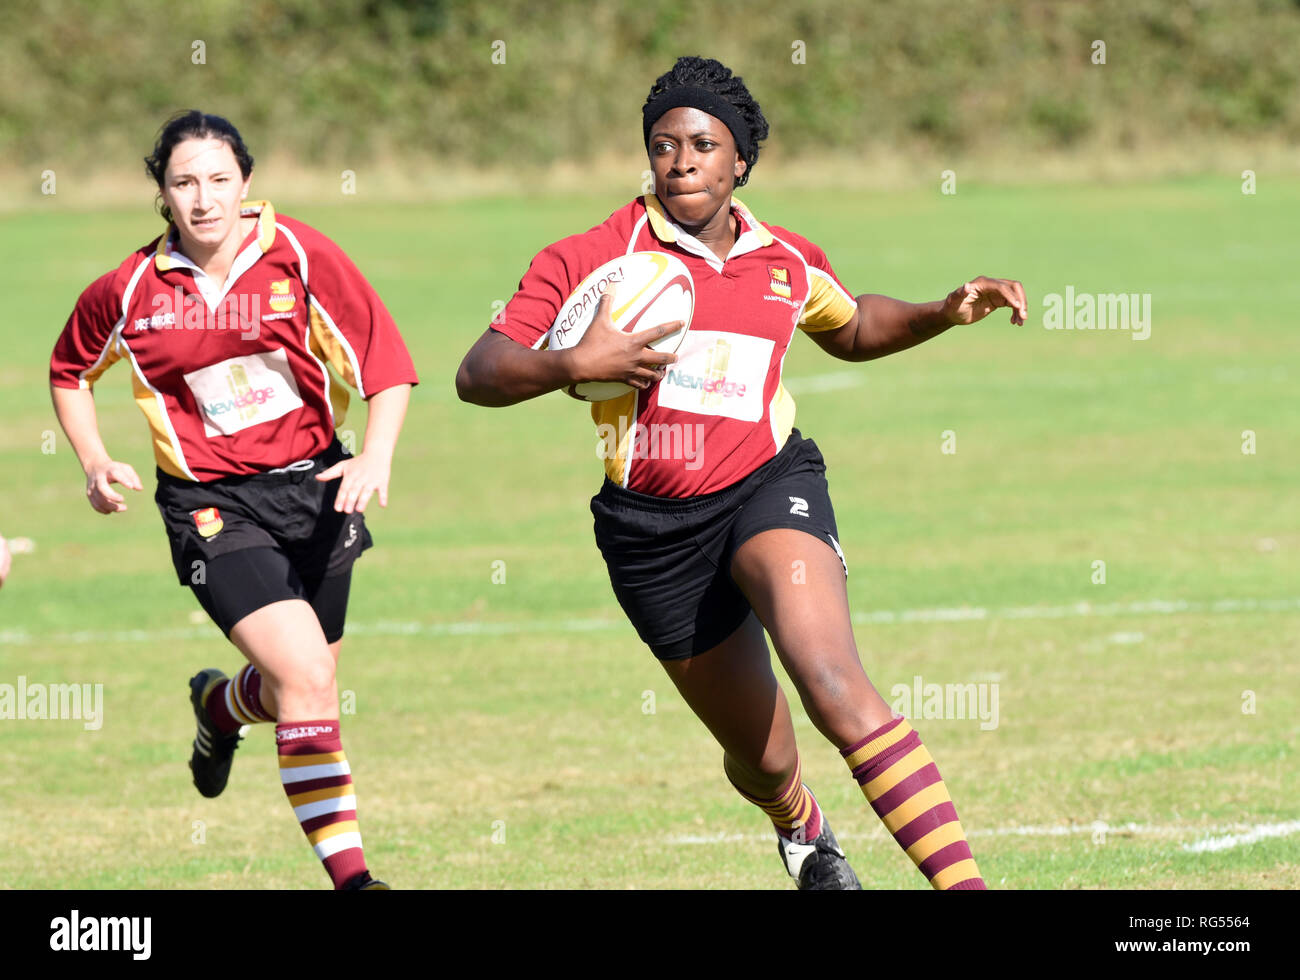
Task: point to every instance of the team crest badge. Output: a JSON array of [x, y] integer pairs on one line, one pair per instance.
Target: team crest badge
[[208, 521], [780, 280], [282, 298]]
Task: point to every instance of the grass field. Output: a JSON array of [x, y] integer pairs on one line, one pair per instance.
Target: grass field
[[500, 735]]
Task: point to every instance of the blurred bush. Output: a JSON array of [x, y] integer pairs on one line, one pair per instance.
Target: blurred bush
[[331, 80]]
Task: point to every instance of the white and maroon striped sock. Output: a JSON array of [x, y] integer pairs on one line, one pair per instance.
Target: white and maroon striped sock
[[237, 701], [316, 776]]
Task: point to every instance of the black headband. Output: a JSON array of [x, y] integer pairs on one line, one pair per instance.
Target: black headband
[[705, 101]]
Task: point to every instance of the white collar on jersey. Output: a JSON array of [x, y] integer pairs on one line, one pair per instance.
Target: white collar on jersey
[[167, 257], [754, 236]]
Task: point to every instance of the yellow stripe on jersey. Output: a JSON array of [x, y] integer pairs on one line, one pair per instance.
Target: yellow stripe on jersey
[[325, 345], [265, 232], [340, 398], [164, 451], [615, 441], [658, 220], [112, 354], [781, 415], [160, 257], [663, 229], [265, 222], [829, 307]]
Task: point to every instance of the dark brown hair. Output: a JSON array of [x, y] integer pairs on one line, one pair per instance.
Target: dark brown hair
[[188, 125]]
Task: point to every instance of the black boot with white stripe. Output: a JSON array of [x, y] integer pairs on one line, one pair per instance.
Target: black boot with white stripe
[[213, 751]]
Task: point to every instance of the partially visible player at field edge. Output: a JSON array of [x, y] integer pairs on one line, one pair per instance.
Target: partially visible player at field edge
[[239, 327], [703, 558], [5, 559]]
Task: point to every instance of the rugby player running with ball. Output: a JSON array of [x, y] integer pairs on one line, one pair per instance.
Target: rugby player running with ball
[[701, 556]]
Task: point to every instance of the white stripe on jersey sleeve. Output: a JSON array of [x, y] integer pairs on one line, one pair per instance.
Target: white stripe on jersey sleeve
[[292, 239], [329, 322], [831, 282], [117, 327], [297, 247]]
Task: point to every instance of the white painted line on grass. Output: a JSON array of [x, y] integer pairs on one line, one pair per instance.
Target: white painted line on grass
[[1160, 607], [1258, 832], [1248, 833]]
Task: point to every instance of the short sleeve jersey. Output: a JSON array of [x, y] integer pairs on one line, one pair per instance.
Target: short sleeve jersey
[[720, 411], [244, 376]]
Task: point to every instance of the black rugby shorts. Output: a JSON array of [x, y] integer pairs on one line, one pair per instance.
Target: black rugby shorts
[[297, 546], [669, 559]]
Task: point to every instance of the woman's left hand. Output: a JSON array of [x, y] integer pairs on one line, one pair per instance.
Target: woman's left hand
[[973, 301], [363, 476]]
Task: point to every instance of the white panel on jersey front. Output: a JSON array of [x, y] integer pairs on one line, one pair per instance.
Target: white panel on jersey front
[[718, 373], [244, 391]]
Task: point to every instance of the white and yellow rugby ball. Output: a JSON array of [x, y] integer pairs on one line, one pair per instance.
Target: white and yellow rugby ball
[[650, 288]]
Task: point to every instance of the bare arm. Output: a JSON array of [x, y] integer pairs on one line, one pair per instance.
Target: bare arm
[[387, 412], [75, 408], [369, 472], [883, 326], [498, 371]]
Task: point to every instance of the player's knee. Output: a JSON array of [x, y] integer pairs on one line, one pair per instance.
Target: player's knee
[[312, 680], [839, 699], [828, 686], [762, 773]]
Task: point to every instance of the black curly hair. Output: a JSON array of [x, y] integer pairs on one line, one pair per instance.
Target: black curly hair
[[715, 77], [193, 124]]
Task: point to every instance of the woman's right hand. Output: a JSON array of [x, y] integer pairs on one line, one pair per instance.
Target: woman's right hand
[[606, 353], [102, 496]]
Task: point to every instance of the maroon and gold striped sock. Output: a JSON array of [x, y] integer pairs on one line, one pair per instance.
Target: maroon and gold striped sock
[[903, 786], [237, 701], [318, 781], [793, 810]]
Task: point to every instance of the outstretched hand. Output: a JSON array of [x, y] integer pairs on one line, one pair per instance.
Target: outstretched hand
[[102, 496], [363, 476], [973, 301]]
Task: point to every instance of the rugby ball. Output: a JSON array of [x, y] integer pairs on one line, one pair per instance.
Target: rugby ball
[[649, 288]]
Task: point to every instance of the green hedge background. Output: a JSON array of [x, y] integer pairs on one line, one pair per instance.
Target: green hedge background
[[327, 81]]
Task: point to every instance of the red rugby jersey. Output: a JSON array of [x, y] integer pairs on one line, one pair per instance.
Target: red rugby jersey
[[244, 376], [721, 411]]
